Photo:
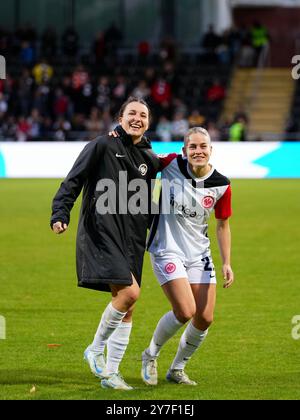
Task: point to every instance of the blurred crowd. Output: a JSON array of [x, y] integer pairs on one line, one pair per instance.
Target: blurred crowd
[[57, 91]]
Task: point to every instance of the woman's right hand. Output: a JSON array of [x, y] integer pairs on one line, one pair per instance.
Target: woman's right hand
[[113, 134], [59, 227]]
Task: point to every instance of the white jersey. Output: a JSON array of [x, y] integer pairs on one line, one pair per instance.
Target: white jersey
[[186, 204]]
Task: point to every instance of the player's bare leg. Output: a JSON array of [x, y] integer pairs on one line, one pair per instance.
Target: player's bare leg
[[180, 295], [124, 297], [205, 299]]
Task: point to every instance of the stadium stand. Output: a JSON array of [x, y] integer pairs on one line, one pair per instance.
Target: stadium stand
[[59, 89], [57, 92]]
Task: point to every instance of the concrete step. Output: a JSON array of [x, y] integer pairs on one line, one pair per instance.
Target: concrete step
[[266, 79], [268, 126], [270, 107], [267, 119], [260, 105]]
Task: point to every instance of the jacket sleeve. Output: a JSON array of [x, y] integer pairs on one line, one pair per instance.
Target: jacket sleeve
[[71, 187]]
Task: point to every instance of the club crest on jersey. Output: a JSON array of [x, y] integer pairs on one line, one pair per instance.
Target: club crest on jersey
[[208, 202], [170, 268], [143, 169]]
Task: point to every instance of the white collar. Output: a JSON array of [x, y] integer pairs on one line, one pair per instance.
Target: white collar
[[202, 178]]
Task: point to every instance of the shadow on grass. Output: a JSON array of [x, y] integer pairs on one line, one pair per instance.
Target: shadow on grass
[[43, 376], [51, 377]]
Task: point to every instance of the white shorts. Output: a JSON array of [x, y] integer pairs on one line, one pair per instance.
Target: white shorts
[[171, 268]]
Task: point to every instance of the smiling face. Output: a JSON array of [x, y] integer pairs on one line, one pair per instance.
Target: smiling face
[[197, 150], [135, 120]]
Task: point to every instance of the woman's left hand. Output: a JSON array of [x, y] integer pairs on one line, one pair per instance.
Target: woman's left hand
[[227, 275]]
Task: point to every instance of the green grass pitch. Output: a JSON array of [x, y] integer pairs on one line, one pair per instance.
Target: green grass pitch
[[249, 352]]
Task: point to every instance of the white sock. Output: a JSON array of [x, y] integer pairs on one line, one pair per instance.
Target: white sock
[[190, 341], [167, 326], [111, 319], [116, 346]]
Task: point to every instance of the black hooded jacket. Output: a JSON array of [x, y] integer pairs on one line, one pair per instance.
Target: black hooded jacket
[[110, 246]]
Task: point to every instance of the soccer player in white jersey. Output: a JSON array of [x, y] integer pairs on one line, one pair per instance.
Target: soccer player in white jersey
[[180, 252]]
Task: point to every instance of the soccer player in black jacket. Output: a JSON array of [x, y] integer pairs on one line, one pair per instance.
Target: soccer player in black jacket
[[110, 247]]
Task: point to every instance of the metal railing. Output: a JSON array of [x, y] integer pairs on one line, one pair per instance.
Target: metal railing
[[263, 62]]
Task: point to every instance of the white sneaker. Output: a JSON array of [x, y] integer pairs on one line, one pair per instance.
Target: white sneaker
[[96, 362], [149, 369], [179, 377], [116, 381]]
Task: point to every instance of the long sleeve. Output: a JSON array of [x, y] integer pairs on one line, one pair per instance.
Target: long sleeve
[[71, 187]]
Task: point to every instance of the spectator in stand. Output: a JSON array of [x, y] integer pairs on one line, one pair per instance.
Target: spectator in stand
[[70, 42], [8, 128], [107, 122], [80, 77], [78, 123], [246, 56], [170, 76], [179, 106], [166, 109], [143, 52], [161, 91], [67, 85], [41, 100], [23, 129], [47, 128], [49, 42], [26, 33], [120, 90], [103, 92], [223, 52], [34, 122], [216, 92], [163, 129], [180, 126], [42, 72], [224, 130], [196, 119], [213, 131], [3, 105], [93, 124], [242, 114], [149, 76], [60, 104], [25, 92], [237, 131], [87, 98], [260, 38], [142, 90], [61, 129], [27, 54], [81, 90], [235, 38]]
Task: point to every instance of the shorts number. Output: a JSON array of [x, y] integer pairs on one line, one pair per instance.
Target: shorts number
[[208, 264]]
